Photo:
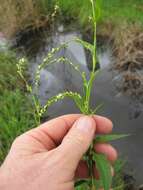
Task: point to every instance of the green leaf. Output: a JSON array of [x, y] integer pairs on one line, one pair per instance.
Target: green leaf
[[78, 101], [104, 169], [85, 44], [80, 182], [108, 138], [98, 108]]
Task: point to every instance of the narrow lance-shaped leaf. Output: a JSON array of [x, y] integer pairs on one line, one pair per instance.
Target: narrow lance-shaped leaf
[[97, 109], [85, 44], [104, 169], [108, 138]]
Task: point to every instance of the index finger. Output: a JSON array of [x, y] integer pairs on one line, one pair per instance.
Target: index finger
[[54, 130]]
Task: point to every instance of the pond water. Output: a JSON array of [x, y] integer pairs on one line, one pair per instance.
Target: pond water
[[126, 115]]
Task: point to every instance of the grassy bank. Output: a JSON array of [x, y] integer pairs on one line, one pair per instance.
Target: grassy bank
[[119, 11], [19, 15], [16, 114], [113, 11], [15, 16]]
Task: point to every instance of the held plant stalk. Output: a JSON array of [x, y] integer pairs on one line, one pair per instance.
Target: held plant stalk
[[82, 101]]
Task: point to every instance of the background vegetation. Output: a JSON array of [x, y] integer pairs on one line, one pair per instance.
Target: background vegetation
[[16, 114], [16, 16]]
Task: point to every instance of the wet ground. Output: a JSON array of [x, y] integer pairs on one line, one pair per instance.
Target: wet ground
[[125, 113]]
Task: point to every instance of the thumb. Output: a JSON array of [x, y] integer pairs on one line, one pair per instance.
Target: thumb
[[78, 140]]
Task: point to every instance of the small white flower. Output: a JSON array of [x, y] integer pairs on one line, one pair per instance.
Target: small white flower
[[22, 60], [45, 59], [59, 96]]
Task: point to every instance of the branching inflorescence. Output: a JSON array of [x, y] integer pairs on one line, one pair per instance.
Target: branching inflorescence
[[82, 101]]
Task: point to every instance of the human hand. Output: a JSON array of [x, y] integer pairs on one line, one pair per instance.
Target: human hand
[[49, 156]]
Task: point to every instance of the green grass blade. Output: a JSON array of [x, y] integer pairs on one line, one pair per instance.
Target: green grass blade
[[97, 109], [104, 169]]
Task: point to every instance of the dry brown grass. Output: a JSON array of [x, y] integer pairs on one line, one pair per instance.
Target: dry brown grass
[[16, 15], [128, 45]]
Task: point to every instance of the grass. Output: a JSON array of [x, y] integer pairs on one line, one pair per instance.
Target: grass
[[113, 11], [15, 118], [117, 11], [16, 114], [8, 72], [18, 15], [15, 16]]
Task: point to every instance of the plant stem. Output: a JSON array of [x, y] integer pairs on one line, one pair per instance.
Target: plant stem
[[91, 166], [36, 115], [94, 51], [92, 75], [90, 84]]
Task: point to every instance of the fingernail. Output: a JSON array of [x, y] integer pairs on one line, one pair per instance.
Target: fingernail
[[86, 124]]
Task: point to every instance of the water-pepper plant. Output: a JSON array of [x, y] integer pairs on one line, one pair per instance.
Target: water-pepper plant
[[82, 101]]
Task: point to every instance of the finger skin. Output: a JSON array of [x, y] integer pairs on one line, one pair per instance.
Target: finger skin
[[51, 133], [57, 128], [32, 164], [78, 140], [104, 125], [108, 150]]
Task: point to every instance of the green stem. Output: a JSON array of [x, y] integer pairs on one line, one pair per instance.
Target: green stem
[[94, 50], [88, 96], [92, 75], [88, 91], [36, 115], [36, 102], [91, 166], [94, 27]]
